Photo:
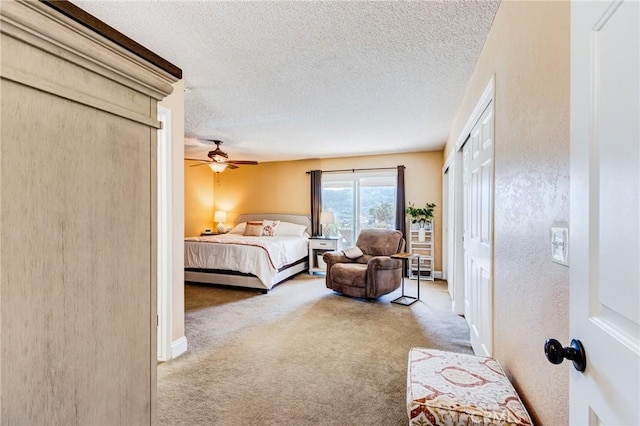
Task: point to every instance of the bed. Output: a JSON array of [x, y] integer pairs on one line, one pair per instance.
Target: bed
[[260, 262]]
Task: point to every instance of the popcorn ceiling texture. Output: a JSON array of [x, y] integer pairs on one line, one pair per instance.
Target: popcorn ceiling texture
[[292, 80]]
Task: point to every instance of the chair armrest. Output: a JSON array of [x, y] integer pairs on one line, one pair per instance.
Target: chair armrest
[[333, 257], [384, 275], [384, 263]]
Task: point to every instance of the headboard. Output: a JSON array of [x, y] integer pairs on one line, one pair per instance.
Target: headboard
[[285, 217]]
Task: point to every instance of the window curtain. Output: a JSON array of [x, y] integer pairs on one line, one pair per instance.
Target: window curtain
[[316, 201], [401, 223]]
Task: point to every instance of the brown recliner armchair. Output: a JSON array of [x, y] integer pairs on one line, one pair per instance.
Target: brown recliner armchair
[[372, 274]]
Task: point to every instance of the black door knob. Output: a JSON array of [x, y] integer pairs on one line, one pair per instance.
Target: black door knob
[[555, 353]]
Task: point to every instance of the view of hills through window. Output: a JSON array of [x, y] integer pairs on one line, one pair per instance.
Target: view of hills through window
[[359, 201]]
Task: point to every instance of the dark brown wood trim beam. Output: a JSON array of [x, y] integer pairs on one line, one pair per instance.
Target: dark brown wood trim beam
[[74, 12]]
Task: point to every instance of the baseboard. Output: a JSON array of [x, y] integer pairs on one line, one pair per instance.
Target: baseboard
[[437, 275], [178, 347]]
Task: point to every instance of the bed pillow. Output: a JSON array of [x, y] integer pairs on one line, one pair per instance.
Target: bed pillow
[[353, 252], [290, 229], [269, 228], [239, 228], [253, 229]]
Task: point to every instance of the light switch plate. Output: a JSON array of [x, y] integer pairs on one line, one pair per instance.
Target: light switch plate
[[560, 245]]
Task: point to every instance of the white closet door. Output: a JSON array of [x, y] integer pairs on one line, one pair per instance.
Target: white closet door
[[478, 217]]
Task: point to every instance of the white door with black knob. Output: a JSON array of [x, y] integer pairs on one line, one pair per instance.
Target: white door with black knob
[[605, 212]]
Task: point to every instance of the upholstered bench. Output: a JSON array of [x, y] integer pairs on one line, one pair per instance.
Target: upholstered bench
[[446, 388]]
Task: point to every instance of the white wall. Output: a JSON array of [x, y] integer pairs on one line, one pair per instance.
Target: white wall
[[175, 102]]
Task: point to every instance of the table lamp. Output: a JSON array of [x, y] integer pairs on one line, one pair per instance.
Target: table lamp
[[326, 218], [220, 217]]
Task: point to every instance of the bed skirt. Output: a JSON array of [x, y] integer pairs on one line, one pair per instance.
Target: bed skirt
[[240, 279]]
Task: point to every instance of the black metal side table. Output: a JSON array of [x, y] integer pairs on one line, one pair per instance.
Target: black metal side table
[[405, 299]]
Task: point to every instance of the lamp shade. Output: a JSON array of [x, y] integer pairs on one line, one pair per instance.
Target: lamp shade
[[220, 216], [217, 167], [327, 218]]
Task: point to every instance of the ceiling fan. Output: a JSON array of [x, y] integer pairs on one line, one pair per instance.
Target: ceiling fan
[[219, 160]]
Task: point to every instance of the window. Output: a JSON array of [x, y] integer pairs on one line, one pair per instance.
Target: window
[[360, 200]]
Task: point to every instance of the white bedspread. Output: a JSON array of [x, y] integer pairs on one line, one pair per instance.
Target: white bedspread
[[260, 256]]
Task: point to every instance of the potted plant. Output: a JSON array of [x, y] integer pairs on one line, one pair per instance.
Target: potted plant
[[421, 216]]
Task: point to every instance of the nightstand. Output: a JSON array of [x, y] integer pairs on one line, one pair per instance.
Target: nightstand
[[204, 234], [317, 246]]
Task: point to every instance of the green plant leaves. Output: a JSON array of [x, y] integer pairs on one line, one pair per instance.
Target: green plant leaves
[[420, 214]]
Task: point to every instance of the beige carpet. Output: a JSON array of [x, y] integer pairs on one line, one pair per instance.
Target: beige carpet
[[301, 355]]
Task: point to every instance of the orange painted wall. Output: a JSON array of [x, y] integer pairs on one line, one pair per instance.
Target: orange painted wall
[[284, 186], [198, 199]]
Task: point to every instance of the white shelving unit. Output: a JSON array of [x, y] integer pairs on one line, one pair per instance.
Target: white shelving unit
[[423, 248]]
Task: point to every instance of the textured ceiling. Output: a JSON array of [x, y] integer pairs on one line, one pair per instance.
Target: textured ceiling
[[292, 80]]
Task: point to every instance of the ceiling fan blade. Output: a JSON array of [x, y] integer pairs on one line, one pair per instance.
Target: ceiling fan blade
[[245, 162], [197, 159], [221, 157], [201, 164]]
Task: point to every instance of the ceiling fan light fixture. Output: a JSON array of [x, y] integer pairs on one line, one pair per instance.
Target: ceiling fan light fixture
[[218, 167]]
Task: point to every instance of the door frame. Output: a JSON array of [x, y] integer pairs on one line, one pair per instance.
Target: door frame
[[165, 241], [446, 205], [453, 165]]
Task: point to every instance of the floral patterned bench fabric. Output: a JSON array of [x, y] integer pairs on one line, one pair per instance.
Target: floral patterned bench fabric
[[446, 388]]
